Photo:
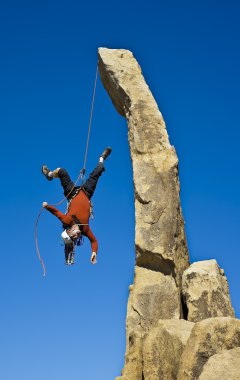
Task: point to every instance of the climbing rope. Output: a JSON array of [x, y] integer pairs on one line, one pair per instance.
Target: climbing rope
[[89, 126], [81, 175], [36, 242]]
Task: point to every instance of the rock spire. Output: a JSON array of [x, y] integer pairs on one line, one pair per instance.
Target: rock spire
[[159, 235], [160, 344]]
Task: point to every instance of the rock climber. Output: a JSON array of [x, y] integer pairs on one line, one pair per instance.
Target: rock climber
[[76, 220]]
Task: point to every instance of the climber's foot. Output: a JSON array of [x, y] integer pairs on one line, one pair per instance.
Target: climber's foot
[[45, 172], [105, 153]]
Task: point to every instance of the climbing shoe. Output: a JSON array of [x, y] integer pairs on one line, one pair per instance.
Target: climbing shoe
[[106, 153], [45, 172]]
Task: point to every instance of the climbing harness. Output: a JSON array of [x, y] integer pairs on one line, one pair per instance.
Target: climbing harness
[[80, 176], [74, 195]]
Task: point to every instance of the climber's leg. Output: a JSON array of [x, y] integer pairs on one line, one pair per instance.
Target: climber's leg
[[91, 183], [68, 186]]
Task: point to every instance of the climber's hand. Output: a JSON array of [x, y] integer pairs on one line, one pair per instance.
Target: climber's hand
[[94, 258], [44, 204]]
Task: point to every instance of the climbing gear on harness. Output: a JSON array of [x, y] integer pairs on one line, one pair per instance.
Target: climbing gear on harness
[[91, 210], [81, 175], [45, 172]]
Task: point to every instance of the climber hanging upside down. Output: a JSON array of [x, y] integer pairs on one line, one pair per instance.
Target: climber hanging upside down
[[76, 220]]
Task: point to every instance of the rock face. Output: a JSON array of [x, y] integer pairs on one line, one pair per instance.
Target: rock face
[[224, 366], [208, 337], [156, 336], [160, 243], [154, 296], [205, 291], [163, 347], [159, 235]]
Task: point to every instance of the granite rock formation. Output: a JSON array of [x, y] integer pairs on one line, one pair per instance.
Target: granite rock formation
[[160, 241], [205, 291], [158, 341], [163, 347], [159, 235], [153, 297], [224, 366], [208, 337]]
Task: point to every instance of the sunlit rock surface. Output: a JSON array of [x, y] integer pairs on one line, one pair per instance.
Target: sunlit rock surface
[[163, 347], [159, 235], [223, 366], [208, 337], [156, 348], [205, 291]]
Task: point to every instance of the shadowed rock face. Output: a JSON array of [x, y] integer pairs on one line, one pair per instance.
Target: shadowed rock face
[[159, 235]]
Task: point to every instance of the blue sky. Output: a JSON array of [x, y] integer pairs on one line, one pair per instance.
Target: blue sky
[[72, 323]]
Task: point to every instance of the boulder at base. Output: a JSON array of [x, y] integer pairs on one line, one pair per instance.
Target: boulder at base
[[163, 347], [205, 291], [208, 337], [153, 296], [224, 366]]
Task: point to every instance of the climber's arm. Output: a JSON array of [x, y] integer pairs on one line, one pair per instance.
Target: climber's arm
[[66, 219], [94, 243]]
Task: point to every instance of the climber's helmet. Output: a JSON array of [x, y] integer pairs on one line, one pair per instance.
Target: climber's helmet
[[71, 234], [66, 238]]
